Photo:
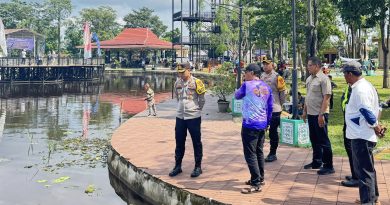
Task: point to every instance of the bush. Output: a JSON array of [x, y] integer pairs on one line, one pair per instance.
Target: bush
[[226, 84]]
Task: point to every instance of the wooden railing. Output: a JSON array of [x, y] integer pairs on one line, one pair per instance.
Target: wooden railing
[[50, 61]]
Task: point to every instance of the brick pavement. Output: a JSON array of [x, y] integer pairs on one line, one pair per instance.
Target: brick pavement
[[148, 143]]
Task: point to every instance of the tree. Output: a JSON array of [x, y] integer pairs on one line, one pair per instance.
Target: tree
[[58, 10], [351, 12], [368, 14], [73, 35], [15, 13], [168, 35], [144, 18], [377, 12], [103, 21]]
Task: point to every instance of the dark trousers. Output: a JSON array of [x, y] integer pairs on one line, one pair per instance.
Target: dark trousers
[[253, 143], [331, 101], [363, 161], [348, 149], [193, 126], [273, 132], [322, 149]]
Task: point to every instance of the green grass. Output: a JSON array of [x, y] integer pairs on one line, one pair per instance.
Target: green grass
[[335, 125]]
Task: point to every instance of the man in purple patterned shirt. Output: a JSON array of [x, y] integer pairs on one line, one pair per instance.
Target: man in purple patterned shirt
[[256, 117]]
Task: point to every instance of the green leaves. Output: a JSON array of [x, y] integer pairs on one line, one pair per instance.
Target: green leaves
[[61, 179], [144, 18], [226, 85], [103, 21], [90, 189]]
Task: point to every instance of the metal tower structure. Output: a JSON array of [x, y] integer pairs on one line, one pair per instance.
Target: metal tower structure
[[199, 19]]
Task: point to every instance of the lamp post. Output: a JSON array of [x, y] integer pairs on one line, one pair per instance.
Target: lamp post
[[294, 73], [239, 48]]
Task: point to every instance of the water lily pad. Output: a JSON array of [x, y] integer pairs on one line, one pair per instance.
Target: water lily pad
[[90, 189], [42, 181], [61, 179]]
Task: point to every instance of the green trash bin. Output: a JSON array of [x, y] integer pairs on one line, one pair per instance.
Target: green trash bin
[[236, 107], [294, 132]]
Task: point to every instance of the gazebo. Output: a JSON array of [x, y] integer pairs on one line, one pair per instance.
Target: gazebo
[[135, 41], [19, 39]]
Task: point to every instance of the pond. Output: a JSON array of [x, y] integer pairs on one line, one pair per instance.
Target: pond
[[54, 138]]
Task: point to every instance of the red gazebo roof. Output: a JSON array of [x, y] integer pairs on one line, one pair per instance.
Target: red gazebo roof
[[135, 38]]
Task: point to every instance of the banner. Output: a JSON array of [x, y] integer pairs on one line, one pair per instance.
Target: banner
[[87, 42], [20, 43], [96, 39], [3, 43]]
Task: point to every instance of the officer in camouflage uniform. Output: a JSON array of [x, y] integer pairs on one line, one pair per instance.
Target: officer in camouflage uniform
[[190, 93], [278, 86]]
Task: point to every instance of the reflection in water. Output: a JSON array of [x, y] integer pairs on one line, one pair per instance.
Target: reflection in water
[[2, 122], [58, 130]]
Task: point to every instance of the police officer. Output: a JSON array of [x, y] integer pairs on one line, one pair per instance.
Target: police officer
[[278, 86], [190, 93]]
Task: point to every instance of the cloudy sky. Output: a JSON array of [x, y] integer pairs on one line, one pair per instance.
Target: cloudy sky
[[162, 8]]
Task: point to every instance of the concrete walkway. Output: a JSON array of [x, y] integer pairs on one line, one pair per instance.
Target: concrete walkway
[[148, 143]]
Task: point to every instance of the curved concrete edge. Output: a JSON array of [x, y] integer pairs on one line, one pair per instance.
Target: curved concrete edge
[[150, 188]]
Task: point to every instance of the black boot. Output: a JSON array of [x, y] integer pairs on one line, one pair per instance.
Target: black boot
[[175, 171], [271, 158], [196, 172]]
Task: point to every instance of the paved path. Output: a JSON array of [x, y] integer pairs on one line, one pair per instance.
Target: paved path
[[148, 142]]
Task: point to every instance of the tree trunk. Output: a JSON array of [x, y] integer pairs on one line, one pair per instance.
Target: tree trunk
[[300, 63], [280, 49], [359, 43], [273, 49], [270, 48], [353, 42], [315, 31], [385, 49], [309, 35], [348, 52]]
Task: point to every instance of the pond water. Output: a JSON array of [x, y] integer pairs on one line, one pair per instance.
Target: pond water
[[54, 138]]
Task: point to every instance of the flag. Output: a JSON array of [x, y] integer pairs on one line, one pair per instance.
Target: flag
[[87, 42], [3, 44], [86, 118], [96, 39]]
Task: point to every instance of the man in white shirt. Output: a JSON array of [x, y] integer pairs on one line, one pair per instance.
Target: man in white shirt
[[361, 117]]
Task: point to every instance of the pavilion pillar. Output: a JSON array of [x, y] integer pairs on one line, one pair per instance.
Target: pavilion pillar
[[108, 56], [129, 56]]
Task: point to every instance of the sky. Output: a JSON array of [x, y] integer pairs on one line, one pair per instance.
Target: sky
[[162, 8]]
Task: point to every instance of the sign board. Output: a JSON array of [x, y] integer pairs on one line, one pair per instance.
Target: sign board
[[237, 106]]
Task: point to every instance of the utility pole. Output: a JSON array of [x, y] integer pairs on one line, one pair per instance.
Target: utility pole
[[173, 52], [294, 72], [309, 34], [239, 49]]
